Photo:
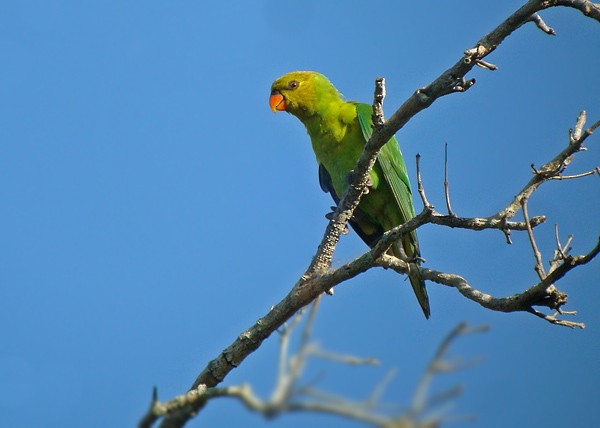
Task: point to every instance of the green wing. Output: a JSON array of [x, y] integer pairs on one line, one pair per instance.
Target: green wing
[[392, 164], [394, 172]]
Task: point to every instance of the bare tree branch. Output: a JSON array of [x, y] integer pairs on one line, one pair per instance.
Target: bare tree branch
[[583, 174], [539, 264], [426, 409], [541, 294], [446, 184], [451, 81], [541, 24], [588, 8], [544, 293], [318, 278], [551, 169], [421, 403]]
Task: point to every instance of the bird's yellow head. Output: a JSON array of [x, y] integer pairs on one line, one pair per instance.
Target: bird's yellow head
[[301, 92]]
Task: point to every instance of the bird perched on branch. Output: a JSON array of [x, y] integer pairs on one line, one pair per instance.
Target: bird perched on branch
[[339, 130]]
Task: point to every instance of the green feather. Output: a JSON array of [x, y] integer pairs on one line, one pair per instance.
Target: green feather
[[392, 164]]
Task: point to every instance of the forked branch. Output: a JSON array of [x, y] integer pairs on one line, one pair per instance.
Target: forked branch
[[318, 278], [289, 395]]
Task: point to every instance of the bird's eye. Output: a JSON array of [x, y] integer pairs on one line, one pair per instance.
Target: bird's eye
[[293, 84]]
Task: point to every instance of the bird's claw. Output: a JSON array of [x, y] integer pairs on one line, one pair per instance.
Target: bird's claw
[[350, 176], [416, 259], [329, 216]]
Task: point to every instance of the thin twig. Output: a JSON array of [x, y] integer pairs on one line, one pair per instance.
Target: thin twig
[[541, 24], [380, 388], [285, 332], [446, 185], [539, 264], [562, 251], [378, 98], [420, 402], [553, 320], [583, 174], [552, 168], [420, 187]]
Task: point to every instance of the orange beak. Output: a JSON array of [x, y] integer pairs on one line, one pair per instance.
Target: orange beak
[[277, 102]]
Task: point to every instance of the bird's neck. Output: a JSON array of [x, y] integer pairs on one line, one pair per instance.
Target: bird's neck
[[330, 119]]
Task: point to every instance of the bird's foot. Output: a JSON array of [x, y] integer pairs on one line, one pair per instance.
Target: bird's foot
[[350, 177], [329, 216], [416, 259]]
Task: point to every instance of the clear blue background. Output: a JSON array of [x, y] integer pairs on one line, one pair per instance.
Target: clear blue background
[[152, 206]]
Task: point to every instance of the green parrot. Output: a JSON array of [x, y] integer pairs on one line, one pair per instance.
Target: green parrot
[[339, 130]]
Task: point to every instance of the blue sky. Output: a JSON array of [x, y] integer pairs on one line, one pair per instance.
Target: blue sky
[[153, 207]]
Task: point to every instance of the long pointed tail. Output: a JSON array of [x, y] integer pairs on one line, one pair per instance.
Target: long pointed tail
[[418, 286], [410, 246]]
